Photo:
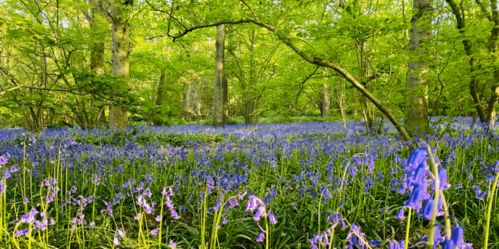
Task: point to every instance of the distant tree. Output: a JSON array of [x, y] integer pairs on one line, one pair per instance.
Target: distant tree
[[219, 95], [118, 13]]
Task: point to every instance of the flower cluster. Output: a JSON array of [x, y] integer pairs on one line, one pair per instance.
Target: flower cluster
[[168, 193], [34, 223], [423, 185], [418, 179], [257, 206]]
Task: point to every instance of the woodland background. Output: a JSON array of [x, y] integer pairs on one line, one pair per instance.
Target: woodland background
[[99, 63]]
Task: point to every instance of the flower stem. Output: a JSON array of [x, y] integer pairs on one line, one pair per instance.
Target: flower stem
[[491, 196], [407, 229], [434, 166]]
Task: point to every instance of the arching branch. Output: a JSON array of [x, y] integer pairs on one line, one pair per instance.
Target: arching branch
[[312, 60]]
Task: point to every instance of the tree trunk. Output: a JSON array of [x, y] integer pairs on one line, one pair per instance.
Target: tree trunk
[[417, 68], [326, 102], [494, 50], [474, 85], [225, 98], [118, 117], [160, 98], [365, 71], [96, 66], [218, 101]]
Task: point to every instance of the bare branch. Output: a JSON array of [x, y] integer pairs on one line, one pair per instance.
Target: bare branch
[[303, 81], [312, 60]]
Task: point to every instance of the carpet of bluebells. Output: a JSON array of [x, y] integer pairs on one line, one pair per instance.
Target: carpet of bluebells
[[307, 185]]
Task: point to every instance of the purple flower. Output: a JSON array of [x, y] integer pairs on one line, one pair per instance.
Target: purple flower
[[418, 195], [393, 244], [174, 214], [272, 219], [233, 202], [29, 217], [442, 175], [448, 244], [260, 237], [457, 237], [400, 215], [479, 194], [14, 169], [154, 232], [6, 174], [137, 216], [427, 210], [22, 232], [172, 245], [41, 225], [259, 213], [437, 236], [147, 192], [217, 206], [120, 233], [3, 160], [253, 203], [354, 236]]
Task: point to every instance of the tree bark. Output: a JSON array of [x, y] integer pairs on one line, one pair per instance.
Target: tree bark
[[96, 66], [118, 117], [474, 85], [417, 68], [326, 100], [365, 71], [494, 50], [160, 98], [218, 102]]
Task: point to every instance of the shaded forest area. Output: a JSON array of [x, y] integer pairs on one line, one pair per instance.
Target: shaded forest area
[[99, 63]]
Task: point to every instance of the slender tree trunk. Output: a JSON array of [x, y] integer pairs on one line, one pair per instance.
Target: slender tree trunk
[[118, 117], [494, 50], [417, 68], [326, 101], [96, 64], [365, 71], [160, 98], [225, 98], [218, 102], [474, 85]]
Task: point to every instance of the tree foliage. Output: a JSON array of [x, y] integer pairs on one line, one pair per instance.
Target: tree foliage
[[47, 77]]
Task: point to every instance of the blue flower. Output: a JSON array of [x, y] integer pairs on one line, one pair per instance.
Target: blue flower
[[394, 244], [260, 237], [457, 237], [400, 214]]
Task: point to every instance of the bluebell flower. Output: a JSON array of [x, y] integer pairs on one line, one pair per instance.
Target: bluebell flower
[[457, 236], [479, 194], [272, 219], [260, 237], [442, 175], [253, 203], [394, 244], [418, 195], [172, 245], [154, 232], [400, 214], [22, 232], [3, 160]]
